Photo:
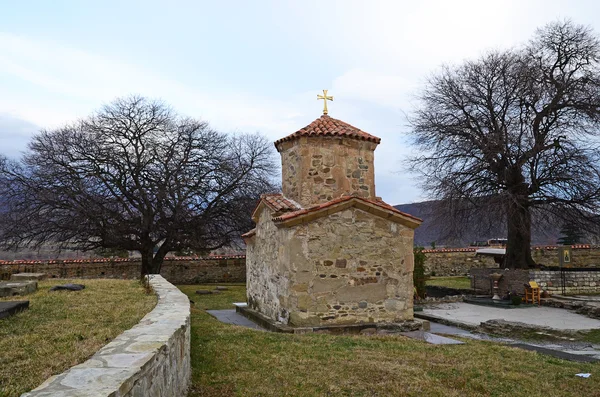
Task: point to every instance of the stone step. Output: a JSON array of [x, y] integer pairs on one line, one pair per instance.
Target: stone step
[[28, 276], [14, 288], [8, 309]]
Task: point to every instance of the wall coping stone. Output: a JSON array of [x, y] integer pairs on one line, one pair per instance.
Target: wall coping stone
[[104, 260], [130, 363], [473, 249]]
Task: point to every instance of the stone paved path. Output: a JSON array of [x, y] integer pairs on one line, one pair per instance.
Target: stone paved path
[[431, 338], [469, 314], [567, 350], [231, 317]]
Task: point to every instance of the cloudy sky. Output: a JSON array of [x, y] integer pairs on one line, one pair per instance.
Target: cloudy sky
[[252, 66]]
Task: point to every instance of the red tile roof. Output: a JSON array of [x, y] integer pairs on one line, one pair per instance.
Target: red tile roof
[[285, 210], [328, 126], [277, 202], [378, 203]]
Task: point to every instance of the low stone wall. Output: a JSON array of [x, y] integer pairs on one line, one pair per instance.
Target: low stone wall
[[458, 261], [177, 270], [576, 282], [454, 262], [150, 359], [513, 280]]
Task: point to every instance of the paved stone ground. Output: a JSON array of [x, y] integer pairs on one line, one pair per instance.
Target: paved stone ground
[[431, 338], [574, 351], [232, 317], [473, 315], [583, 298], [567, 350]]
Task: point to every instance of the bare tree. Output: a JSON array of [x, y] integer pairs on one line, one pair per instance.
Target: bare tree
[[515, 133], [134, 176]]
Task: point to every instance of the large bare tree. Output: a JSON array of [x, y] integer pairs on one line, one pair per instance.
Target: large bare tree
[[515, 133], [134, 176]]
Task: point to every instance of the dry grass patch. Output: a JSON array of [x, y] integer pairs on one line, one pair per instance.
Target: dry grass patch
[[234, 361], [64, 328], [458, 282]]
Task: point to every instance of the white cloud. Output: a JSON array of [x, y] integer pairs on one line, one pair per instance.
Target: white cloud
[[380, 88], [373, 56], [71, 83]]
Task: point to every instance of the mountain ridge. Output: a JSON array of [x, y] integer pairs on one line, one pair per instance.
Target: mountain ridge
[[429, 232]]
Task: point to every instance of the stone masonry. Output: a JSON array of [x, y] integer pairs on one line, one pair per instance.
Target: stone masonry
[[577, 281], [177, 270], [458, 261], [150, 359], [455, 262], [327, 251], [329, 167]]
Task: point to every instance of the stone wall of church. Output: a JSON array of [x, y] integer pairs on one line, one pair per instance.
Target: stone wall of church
[[267, 270], [346, 268], [318, 169], [350, 267]]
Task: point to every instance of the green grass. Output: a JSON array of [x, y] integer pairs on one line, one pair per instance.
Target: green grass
[[592, 336], [63, 328], [234, 361], [458, 282]]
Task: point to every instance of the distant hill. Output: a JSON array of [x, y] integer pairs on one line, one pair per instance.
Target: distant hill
[[46, 252], [430, 231]]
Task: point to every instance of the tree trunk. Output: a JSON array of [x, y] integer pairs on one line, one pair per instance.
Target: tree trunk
[[146, 262], [518, 247], [157, 262], [151, 262]]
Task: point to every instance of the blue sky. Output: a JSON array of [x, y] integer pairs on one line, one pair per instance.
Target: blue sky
[[252, 66]]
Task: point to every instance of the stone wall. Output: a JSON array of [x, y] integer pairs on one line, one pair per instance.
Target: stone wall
[[318, 169], [454, 262], [576, 280], [344, 268], [268, 278], [512, 280], [583, 256], [458, 261], [150, 359], [175, 270]]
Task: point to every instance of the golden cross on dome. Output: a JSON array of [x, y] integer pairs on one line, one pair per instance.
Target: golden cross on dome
[[325, 98]]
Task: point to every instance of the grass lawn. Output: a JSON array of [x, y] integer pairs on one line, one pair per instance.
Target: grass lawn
[[458, 282], [234, 361], [64, 328]]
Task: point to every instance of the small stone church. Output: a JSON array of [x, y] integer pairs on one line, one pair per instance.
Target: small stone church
[[327, 250]]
